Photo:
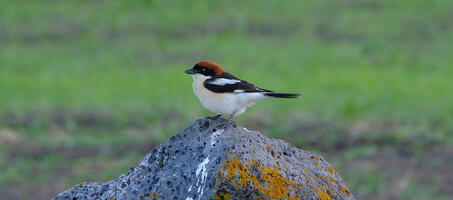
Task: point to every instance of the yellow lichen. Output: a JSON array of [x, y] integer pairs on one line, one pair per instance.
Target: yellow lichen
[[277, 186], [322, 194], [253, 153], [221, 196], [333, 180], [330, 170], [345, 192], [269, 181], [295, 197], [219, 177], [257, 197], [269, 147], [154, 195], [315, 163], [227, 196]]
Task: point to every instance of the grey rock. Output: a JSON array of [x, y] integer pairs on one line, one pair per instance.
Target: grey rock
[[215, 159]]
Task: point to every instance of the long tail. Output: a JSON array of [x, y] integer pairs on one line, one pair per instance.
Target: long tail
[[282, 95]]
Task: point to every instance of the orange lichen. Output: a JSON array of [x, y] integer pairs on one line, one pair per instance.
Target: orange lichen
[[330, 170], [269, 147], [316, 158], [269, 181], [345, 191], [315, 163], [253, 153], [154, 195], [306, 170], [80, 185], [219, 178], [333, 180], [322, 194], [322, 176], [221, 195]]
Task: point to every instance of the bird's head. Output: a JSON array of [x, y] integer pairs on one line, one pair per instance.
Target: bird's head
[[206, 68]]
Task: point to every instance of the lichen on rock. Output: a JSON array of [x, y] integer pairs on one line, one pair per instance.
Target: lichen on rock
[[215, 159]]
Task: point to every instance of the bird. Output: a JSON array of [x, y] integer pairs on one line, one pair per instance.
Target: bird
[[225, 94]]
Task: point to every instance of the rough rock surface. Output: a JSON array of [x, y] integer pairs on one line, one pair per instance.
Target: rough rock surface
[[215, 159]]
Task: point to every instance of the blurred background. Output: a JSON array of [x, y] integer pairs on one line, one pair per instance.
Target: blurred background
[[88, 87]]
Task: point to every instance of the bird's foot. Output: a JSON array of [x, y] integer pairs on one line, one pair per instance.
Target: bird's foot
[[231, 116], [215, 117]]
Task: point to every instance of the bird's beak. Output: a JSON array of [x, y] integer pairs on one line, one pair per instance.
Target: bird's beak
[[189, 71]]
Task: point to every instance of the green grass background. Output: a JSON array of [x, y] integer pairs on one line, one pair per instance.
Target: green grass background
[[88, 87]]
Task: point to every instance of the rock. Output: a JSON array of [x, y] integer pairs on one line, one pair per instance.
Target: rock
[[215, 159]]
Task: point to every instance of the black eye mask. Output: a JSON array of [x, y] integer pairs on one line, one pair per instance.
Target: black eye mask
[[203, 70]]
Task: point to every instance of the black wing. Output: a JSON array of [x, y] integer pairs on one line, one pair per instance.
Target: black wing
[[226, 82]]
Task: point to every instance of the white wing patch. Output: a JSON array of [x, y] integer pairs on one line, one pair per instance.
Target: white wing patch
[[238, 91], [224, 81]]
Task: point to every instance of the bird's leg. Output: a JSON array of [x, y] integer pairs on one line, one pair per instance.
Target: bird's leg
[[231, 116], [216, 117]]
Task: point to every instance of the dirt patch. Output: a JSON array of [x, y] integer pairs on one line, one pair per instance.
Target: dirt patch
[[72, 160], [326, 32], [430, 169], [404, 160], [9, 137], [36, 151], [281, 29], [59, 29], [4, 35], [369, 5], [100, 119]]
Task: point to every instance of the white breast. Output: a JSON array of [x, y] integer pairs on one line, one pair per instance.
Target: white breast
[[223, 103]]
